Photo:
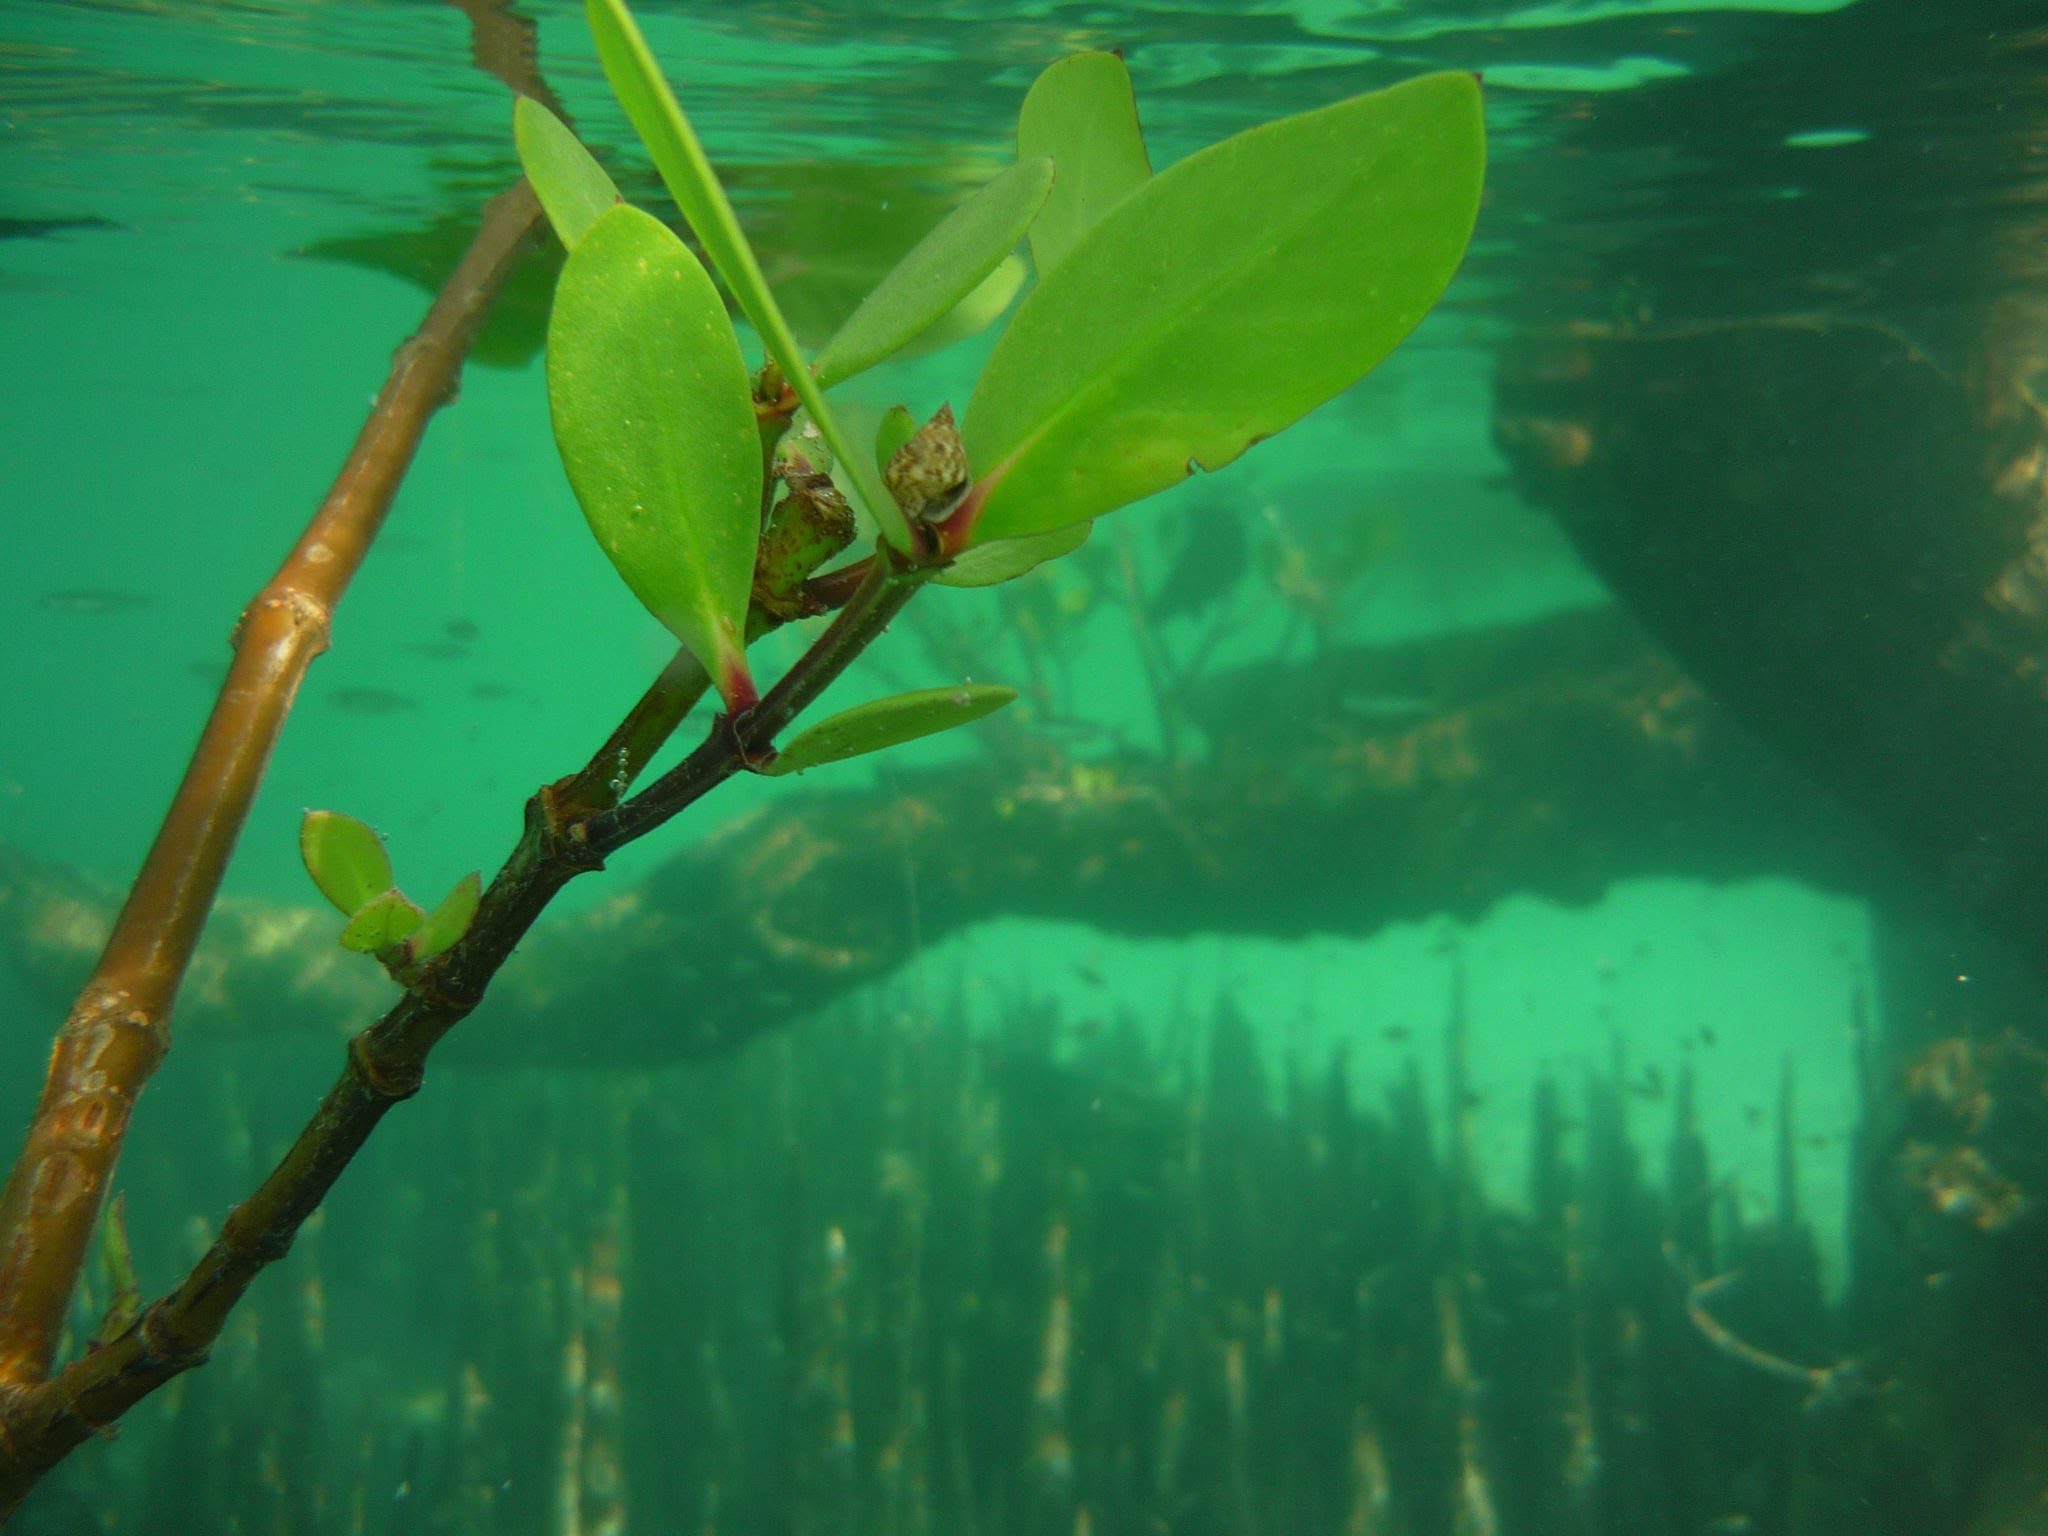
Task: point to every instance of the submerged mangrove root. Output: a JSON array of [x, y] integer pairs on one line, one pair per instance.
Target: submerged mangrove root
[[1567, 755], [570, 830], [1123, 1329], [119, 1028]]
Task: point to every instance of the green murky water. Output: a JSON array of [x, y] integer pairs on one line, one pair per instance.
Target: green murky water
[[1461, 882]]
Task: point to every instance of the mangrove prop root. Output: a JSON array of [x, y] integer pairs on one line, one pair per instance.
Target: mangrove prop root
[[386, 1062], [119, 1028], [1564, 755]]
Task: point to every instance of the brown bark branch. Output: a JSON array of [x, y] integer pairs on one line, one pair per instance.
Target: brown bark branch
[[603, 781], [42, 1423], [505, 45], [119, 1028]]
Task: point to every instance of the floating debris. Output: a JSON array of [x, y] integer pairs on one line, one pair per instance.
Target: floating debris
[[94, 602], [44, 229], [372, 701]]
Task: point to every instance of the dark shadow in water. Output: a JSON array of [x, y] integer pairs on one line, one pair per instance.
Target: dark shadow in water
[[1790, 420]]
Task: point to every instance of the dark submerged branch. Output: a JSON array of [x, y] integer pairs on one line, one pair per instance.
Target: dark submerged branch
[[386, 1062]]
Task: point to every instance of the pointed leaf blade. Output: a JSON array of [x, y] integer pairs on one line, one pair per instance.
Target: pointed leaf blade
[[384, 921], [982, 307], [655, 422], [1000, 560], [887, 723], [940, 271], [686, 171], [1083, 113], [117, 1261], [345, 858], [448, 922], [572, 187], [1324, 239]]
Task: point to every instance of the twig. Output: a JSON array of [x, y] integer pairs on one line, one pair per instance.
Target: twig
[[119, 1028], [1821, 1382], [386, 1062], [503, 44], [618, 764], [604, 780], [885, 587]]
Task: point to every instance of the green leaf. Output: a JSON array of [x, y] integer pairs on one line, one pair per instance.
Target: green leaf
[[655, 421], [1082, 112], [977, 312], [383, 921], [898, 427], [117, 1259], [345, 858], [1006, 559], [448, 922], [657, 117], [572, 187], [1221, 301], [940, 271], [888, 722]]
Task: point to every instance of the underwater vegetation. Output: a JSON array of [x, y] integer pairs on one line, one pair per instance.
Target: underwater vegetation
[[724, 489], [1032, 1273]]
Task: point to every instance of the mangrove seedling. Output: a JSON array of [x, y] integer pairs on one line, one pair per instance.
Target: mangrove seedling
[[348, 863], [1173, 320]]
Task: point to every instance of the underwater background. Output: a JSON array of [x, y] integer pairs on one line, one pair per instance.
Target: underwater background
[[1492, 981]]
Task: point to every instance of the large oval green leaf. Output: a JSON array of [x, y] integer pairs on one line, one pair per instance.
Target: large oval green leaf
[[887, 723], [1082, 112], [1221, 301], [940, 271], [655, 421], [686, 171], [572, 187]]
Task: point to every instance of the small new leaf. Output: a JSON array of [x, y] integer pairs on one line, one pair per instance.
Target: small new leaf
[[572, 187], [124, 1292], [345, 858], [940, 271], [383, 923], [448, 922], [887, 723]]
